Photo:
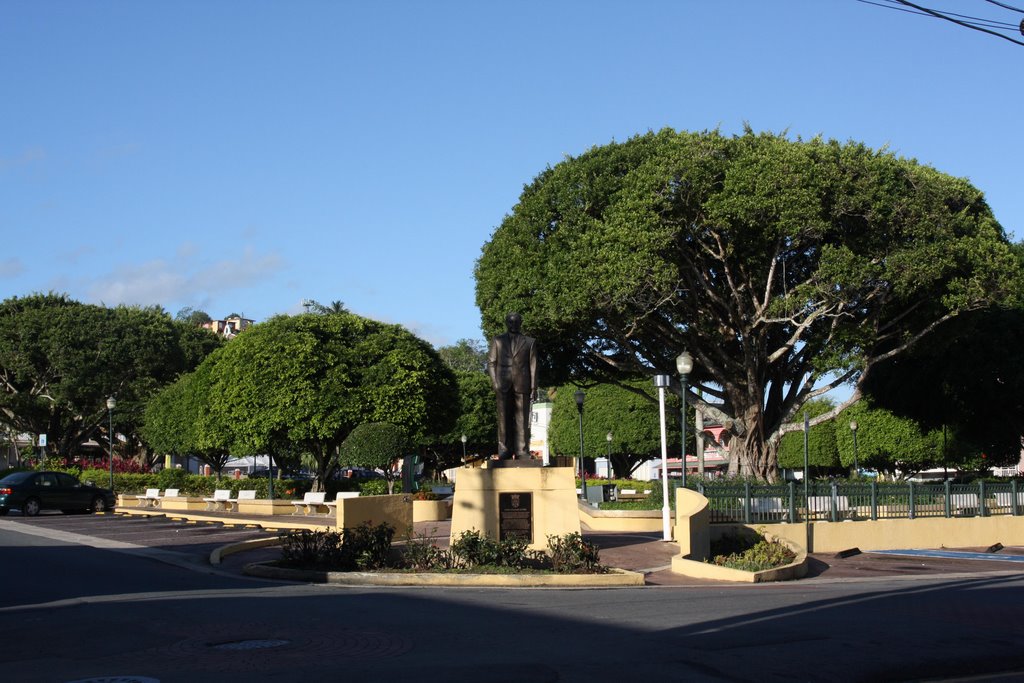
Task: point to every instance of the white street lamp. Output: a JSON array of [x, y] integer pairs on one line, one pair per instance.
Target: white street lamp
[[111, 403], [684, 364], [662, 381]]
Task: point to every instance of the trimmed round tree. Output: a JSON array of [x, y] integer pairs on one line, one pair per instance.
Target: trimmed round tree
[[307, 381], [376, 446]]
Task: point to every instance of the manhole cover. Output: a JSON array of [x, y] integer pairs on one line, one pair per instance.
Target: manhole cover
[[118, 679], [249, 644]]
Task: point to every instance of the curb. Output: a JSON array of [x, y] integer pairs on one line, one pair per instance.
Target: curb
[[615, 578]]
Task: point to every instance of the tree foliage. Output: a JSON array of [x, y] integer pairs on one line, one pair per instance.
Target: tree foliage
[[303, 383], [465, 355], [785, 267], [375, 445], [970, 380], [60, 360], [822, 451], [630, 413]]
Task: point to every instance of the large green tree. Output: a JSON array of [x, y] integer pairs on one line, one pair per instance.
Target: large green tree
[[309, 380], [629, 412], [61, 359], [787, 268]]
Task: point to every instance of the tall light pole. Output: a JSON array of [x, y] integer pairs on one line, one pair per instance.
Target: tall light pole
[[662, 381], [579, 396], [608, 438], [853, 428], [684, 364], [111, 403], [463, 440]]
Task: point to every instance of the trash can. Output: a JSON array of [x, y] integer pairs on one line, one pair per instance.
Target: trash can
[[601, 493]]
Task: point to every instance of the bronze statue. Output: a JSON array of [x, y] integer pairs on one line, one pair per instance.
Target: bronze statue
[[512, 364]]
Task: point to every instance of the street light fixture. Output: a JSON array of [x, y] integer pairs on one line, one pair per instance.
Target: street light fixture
[[463, 440], [684, 365], [579, 396], [853, 428], [111, 403], [608, 438], [662, 381]]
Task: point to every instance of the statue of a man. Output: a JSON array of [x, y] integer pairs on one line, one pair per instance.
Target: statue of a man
[[512, 364]]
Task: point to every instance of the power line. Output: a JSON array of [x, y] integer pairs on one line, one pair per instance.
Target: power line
[[973, 23]]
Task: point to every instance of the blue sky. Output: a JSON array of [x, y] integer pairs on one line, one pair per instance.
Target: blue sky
[[244, 156]]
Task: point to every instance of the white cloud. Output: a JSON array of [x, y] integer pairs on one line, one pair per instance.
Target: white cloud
[[167, 283], [31, 155], [11, 267]]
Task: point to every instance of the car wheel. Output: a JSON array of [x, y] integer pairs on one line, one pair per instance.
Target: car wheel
[[3, 512], [30, 508], [98, 504]]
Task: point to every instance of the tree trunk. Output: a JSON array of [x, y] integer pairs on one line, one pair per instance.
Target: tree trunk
[[757, 456]]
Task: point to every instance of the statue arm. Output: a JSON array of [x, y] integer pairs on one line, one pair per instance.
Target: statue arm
[[492, 363]]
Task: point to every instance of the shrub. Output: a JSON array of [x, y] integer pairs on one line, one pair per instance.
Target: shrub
[[570, 554], [364, 547], [751, 554], [473, 549], [373, 487]]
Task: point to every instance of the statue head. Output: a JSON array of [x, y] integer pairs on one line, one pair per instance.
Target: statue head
[[513, 321]]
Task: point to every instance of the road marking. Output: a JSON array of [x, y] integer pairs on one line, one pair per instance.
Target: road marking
[[952, 555]]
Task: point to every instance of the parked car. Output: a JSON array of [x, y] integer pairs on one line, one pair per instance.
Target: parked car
[[31, 492], [361, 473]]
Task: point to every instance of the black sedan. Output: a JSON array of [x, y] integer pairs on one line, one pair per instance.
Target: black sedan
[[31, 492]]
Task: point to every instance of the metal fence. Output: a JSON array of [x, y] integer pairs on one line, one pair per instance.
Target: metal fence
[[753, 503]]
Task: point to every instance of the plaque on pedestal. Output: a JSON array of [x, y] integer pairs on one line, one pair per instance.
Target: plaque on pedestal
[[515, 516]]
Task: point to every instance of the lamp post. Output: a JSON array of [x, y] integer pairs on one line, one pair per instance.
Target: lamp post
[[662, 381], [853, 428], [463, 440], [608, 437], [579, 396], [684, 364], [111, 403]]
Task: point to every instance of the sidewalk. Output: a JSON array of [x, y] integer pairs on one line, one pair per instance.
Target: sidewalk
[[649, 554]]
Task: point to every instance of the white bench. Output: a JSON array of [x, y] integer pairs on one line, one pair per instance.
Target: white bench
[[310, 503], [822, 505], [232, 503], [332, 505], [766, 507], [150, 499], [219, 501], [1004, 499], [964, 503]]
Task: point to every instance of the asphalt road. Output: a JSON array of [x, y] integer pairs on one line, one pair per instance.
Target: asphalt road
[[135, 603]]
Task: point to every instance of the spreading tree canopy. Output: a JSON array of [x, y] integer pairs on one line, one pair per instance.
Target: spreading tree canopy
[[61, 359], [786, 267], [305, 382], [630, 414]]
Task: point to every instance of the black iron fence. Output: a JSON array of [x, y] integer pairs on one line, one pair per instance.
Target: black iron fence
[[753, 503]]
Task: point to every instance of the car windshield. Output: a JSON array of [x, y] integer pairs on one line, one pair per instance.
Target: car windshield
[[16, 477]]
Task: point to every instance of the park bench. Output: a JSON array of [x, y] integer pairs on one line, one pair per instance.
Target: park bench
[[633, 494], [964, 504], [310, 503], [766, 508], [232, 503], [150, 499], [1004, 499], [821, 507], [219, 501], [332, 505]]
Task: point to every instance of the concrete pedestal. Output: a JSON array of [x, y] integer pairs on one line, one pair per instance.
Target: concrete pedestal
[[485, 500]]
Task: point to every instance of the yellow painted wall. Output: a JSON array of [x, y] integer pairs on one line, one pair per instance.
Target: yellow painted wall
[[395, 510], [555, 510], [692, 525], [893, 534]]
